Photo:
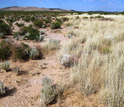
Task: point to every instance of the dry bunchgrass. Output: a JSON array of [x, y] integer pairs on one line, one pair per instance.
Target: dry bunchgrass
[[101, 65]]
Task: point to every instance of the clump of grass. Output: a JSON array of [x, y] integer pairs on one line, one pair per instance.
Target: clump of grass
[[52, 44]]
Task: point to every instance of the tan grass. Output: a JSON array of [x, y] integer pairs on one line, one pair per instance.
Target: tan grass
[[96, 70]]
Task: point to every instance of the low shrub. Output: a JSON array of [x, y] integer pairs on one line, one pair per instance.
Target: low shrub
[[20, 24], [20, 51], [48, 92], [4, 65], [15, 34], [38, 23], [55, 25], [27, 19], [34, 53]]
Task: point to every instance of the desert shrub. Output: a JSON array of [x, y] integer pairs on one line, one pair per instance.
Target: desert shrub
[[10, 24], [40, 38], [23, 30], [32, 19], [48, 92], [4, 65], [27, 19], [77, 17], [47, 21], [91, 17], [1, 21], [34, 53], [20, 51], [53, 44], [2, 89], [16, 71], [4, 28], [106, 50], [5, 51], [38, 23], [85, 17], [68, 24], [33, 33], [65, 19], [20, 24], [99, 16], [15, 34], [1, 35], [55, 25]]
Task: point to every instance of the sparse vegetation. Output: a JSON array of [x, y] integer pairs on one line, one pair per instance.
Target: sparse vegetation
[[90, 61]]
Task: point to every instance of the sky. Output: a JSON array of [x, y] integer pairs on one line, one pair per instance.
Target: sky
[[79, 5]]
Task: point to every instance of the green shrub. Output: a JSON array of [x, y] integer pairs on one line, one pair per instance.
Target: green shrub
[[4, 28], [55, 25], [106, 50], [77, 17], [21, 52], [27, 19], [33, 33], [20, 24], [38, 23], [68, 24], [1, 35], [32, 19], [85, 17], [5, 51], [16, 34], [65, 19]]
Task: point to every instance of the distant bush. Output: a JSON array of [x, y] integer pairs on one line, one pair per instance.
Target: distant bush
[[77, 17], [68, 24], [15, 34], [20, 24], [32, 19], [27, 19], [23, 30], [65, 19], [55, 25], [38, 23], [99, 16], [85, 17]]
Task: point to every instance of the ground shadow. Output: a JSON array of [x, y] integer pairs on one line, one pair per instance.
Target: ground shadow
[[9, 92]]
